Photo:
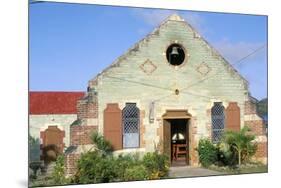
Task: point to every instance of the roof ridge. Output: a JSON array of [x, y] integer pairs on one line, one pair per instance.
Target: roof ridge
[[172, 17]]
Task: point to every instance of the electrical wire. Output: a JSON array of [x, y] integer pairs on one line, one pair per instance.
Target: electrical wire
[[205, 78]]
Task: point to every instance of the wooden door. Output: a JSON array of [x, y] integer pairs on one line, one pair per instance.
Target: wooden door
[[187, 141], [167, 138]]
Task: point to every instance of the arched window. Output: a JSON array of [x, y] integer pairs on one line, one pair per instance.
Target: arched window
[[218, 121], [130, 121]]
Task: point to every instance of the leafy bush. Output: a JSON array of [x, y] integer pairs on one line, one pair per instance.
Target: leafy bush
[[101, 166], [226, 155], [94, 167], [208, 153], [134, 173], [241, 143], [58, 174], [101, 143], [122, 162], [156, 164]]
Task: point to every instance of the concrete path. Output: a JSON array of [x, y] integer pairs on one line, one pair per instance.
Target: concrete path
[[188, 171]]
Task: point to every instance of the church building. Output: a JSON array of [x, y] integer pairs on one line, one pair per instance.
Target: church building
[[169, 90]]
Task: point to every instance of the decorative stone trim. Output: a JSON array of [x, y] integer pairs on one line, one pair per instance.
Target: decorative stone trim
[[142, 129], [203, 69], [194, 159], [148, 67]]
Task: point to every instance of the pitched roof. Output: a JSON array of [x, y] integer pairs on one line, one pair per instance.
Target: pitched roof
[[176, 18], [52, 102]]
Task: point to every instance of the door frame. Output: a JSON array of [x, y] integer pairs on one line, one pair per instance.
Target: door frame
[[175, 114]]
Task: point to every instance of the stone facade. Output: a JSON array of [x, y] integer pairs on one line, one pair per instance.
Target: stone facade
[[39, 123], [144, 76]]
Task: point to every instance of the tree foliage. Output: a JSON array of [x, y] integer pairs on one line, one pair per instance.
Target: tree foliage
[[207, 151], [58, 174], [101, 143], [242, 143]]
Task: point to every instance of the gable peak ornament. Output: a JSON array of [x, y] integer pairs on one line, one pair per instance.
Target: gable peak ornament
[[175, 17]]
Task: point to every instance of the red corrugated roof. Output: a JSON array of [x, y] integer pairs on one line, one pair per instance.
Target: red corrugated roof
[[52, 102]]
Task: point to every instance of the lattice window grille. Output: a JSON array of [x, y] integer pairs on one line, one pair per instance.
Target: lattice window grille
[[218, 121], [130, 117]]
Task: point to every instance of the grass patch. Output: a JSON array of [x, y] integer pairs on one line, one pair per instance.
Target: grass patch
[[244, 169]]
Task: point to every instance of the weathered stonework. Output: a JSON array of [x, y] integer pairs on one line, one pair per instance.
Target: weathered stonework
[[125, 82], [80, 135], [142, 129], [257, 127], [71, 163], [194, 160]]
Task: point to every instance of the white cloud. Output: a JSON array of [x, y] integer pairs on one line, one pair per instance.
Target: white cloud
[[154, 17]]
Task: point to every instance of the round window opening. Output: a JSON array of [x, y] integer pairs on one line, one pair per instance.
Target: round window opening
[[175, 54]]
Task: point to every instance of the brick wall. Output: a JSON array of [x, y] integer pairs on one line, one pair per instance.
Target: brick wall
[[80, 135], [250, 108], [87, 109], [71, 163], [261, 150], [257, 126]]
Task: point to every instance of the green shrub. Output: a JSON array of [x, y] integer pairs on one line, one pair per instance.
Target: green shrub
[[208, 153], [122, 162], [94, 167], [156, 164], [241, 144], [134, 173], [101, 143], [226, 155], [58, 175]]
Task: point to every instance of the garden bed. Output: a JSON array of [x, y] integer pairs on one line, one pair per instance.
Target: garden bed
[[244, 169]]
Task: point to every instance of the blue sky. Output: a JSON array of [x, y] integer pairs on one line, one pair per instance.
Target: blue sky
[[71, 43]]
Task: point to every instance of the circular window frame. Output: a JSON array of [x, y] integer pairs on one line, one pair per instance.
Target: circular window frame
[[185, 53]]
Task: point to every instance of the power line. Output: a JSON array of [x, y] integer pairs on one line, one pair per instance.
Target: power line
[[141, 83], [150, 85], [189, 86], [239, 61], [197, 82]]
